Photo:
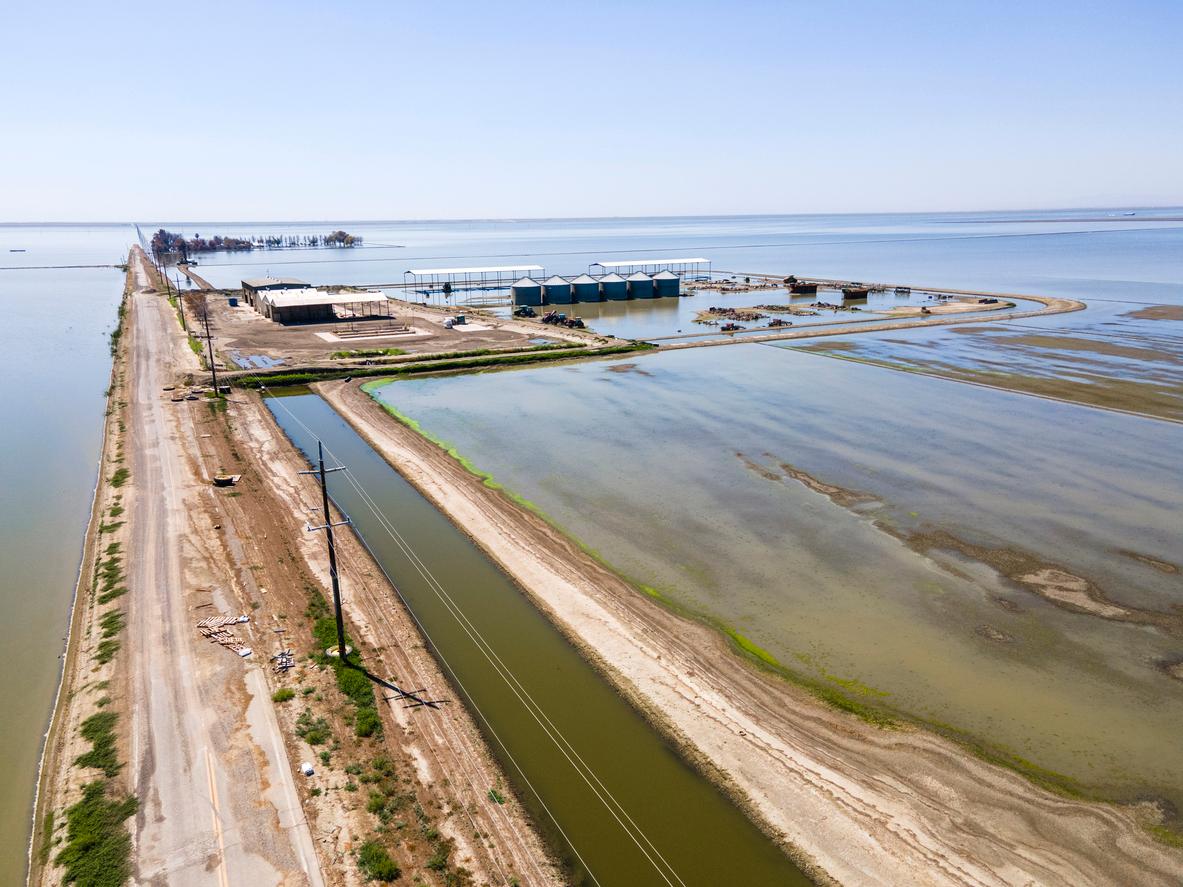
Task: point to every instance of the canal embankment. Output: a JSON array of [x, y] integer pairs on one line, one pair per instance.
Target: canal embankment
[[859, 802]]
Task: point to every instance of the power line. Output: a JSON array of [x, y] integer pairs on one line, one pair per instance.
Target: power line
[[452, 671], [536, 711], [602, 792]]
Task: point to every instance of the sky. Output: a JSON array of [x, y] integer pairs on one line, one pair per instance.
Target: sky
[[245, 111]]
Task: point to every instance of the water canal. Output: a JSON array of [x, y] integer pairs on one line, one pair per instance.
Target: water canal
[[699, 835]]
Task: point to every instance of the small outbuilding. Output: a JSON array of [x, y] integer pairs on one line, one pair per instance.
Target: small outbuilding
[[557, 291], [613, 287], [667, 283], [586, 288], [640, 286], [255, 285], [527, 291]]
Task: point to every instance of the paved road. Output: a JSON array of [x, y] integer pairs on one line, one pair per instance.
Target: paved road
[[218, 803]]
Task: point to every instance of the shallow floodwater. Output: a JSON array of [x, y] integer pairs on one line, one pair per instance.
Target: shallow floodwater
[[670, 467], [55, 362], [697, 832]]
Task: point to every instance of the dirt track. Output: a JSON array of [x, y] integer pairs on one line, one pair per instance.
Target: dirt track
[[863, 805], [197, 772]]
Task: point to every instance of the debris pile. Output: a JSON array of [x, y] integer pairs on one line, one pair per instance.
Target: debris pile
[[712, 315], [282, 661], [213, 628]]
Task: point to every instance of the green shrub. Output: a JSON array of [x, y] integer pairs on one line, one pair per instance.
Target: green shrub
[[375, 863], [106, 651], [99, 730], [314, 731], [283, 694], [367, 722], [98, 848], [119, 478]]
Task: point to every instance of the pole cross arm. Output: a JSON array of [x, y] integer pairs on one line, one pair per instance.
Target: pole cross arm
[[341, 523]]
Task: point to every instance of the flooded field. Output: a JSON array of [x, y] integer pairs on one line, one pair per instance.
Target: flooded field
[[1003, 566], [692, 834], [1121, 356]]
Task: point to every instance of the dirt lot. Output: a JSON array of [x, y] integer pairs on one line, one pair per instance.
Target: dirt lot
[[242, 332]]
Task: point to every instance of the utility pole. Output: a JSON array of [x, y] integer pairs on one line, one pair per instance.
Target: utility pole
[[327, 526], [411, 698], [209, 340]]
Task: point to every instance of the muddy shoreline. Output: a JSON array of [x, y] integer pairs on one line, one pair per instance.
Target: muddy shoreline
[[857, 803]]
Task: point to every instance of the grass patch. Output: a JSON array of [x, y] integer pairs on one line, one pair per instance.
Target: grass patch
[[496, 797], [1165, 835], [111, 623], [46, 838], [119, 478], [283, 694], [99, 730], [106, 651], [98, 847], [107, 596], [313, 730], [443, 364]]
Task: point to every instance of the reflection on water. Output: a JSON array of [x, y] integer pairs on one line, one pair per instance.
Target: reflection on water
[[53, 343], [659, 472]]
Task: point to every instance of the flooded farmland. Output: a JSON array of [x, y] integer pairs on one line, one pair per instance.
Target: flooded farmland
[[1001, 566]]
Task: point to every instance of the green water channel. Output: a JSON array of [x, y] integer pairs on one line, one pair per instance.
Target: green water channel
[[692, 834]]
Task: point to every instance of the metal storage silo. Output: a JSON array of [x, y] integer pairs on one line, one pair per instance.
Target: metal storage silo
[[527, 291], [667, 283], [640, 286], [586, 288], [614, 287], [556, 291]]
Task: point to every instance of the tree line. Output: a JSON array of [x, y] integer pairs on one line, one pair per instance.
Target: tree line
[[170, 243]]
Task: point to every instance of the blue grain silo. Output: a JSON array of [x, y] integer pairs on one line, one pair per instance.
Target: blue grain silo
[[614, 288], [527, 291], [640, 286], [586, 288], [556, 291], [667, 283]]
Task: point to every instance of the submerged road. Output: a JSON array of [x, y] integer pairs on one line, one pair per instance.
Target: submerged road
[[204, 817]]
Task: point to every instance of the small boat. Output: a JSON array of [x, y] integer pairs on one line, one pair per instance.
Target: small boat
[[17, 250]]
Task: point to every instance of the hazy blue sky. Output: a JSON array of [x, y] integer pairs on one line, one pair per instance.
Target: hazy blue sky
[[355, 110]]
